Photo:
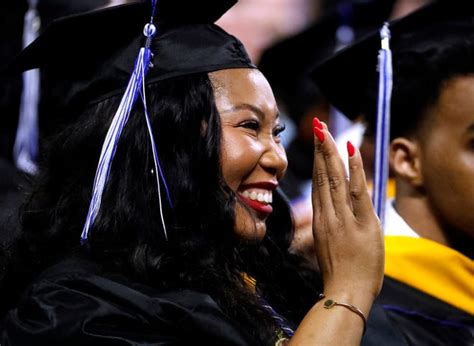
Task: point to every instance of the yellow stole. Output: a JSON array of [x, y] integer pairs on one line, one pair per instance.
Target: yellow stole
[[432, 268]]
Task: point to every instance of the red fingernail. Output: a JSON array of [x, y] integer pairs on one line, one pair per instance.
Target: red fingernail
[[317, 123], [350, 149], [319, 134]]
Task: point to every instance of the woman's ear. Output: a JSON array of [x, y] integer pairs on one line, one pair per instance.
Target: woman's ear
[[405, 161]]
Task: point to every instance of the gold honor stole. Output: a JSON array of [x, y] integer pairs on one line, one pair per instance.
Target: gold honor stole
[[432, 268]]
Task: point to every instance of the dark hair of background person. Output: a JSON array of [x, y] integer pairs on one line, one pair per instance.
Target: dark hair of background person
[[127, 237], [419, 76]]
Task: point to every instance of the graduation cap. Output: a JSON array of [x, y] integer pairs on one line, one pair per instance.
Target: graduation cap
[[346, 77], [27, 17], [287, 64], [358, 79], [94, 57], [52, 9]]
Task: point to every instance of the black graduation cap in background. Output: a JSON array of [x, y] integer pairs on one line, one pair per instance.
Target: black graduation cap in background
[[53, 9], [13, 26], [287, 64], [89, 57], [349, 78]]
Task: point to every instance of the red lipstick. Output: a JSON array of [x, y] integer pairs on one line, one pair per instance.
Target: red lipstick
[[257, 206]]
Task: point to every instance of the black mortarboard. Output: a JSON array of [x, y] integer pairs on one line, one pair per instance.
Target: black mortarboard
[[349, 78], [91, 56], [53, 9], [117, 50]]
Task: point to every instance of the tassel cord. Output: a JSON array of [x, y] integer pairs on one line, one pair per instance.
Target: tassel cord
[[156, 161], [25, 150], [111, 141], [383, 124]]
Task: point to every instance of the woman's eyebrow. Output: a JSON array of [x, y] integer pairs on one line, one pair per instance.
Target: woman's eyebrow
[[252, 108], [245, 106]]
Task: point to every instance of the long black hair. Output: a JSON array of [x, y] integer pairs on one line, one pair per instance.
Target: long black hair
[[127, 236]]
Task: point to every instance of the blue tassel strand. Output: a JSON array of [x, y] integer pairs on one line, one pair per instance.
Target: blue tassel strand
[[383, 124], [25, 150], [156, 161], [135, 87]]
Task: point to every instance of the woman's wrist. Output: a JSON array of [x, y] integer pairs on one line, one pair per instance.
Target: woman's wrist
[[329, 303], [357, 297]]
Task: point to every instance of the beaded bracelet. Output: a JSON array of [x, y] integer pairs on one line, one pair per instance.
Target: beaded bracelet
[[329, 303]]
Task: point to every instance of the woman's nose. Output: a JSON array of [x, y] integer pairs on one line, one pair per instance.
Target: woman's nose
[[274, 159]]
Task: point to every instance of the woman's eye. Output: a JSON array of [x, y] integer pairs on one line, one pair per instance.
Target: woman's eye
[[251, 124], [278, 130], [471, 145]]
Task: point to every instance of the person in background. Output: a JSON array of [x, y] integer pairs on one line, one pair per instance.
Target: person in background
[[428, 292], [272, 20], [287, 65], [31, 96], [157, 218]]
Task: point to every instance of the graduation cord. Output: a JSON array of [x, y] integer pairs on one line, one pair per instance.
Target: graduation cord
[[136, 86], [383, 123], [25, 150], [280, 321]]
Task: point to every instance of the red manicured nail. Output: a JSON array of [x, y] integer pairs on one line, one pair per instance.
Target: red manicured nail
[[350, 149], [317, 123], [319, 134]]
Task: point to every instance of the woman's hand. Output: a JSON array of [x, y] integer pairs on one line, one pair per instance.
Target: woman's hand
[[348, 242], [348, 238]]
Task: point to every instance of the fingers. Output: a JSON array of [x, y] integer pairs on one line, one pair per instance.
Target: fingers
[[359, 193], [330, 190]]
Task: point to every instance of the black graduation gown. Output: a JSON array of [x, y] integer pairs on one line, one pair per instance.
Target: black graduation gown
[[403, 315], [72, 304]]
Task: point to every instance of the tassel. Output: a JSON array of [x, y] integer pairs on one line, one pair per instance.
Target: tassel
[[383, 124], [136, 86], [25, 150], [111, 140]]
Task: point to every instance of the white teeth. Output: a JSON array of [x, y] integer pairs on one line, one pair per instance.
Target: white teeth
[[263, 197]]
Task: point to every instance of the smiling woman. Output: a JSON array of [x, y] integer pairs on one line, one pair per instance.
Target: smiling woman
[[252, 156], [185, 233]]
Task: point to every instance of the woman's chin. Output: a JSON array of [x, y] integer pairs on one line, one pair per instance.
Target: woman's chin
[[253, 234]]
